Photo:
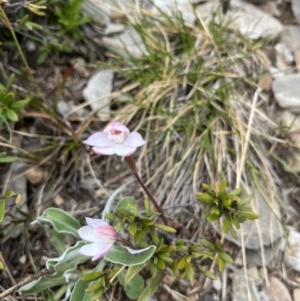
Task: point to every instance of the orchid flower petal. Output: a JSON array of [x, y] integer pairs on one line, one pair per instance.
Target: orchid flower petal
[[96, 249], [134, 139], [104, 150], [100, 140], [95, 222], [123, 150]]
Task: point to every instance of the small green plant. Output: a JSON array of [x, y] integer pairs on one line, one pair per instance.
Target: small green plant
[[10, 106], [225, 204], [70, 17]]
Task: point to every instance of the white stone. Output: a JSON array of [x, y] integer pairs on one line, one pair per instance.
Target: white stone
[[103, 12], [287, 92], [253, 22], [291, 37], [242, 286], [171, 6], [296, 294], [245, 17], [292, 250], [277, 291], [271, 8], [217, 284], [296, 9], [98, 93], [284, 55], [128, 42]]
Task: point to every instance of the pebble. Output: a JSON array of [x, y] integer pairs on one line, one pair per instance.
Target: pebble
[[35, 176], [291, 37], [296, 9], [292, 250], [126, 42], [277, 291], [296, 294], [98, 93], [58, 200], [286, 91]]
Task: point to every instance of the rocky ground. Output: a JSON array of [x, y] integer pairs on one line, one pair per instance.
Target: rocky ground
[[267, 259]]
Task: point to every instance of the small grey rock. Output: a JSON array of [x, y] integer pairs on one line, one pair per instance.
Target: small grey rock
[[98, 93], [292, 250], [291, 37], [296, 9], [287, 92], [240, 286], [128, 42]]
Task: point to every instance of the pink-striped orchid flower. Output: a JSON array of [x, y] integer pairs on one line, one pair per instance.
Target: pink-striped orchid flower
[[115, 139], [101, 235]]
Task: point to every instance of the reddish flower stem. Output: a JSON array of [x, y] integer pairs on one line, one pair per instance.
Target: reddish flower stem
[[132, 166]]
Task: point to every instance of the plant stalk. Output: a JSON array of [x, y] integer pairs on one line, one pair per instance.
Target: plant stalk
[[132, 166]]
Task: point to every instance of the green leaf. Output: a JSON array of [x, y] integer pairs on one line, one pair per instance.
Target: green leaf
[[9, 98], [92, 276], [11, 115], [132, 271], [61, 221], [207, 244], [147, 207], [8, 194], [8, 159], [151, 287], [245, 200], [132, 228], [208, 273], [205, 198], [213, 217], [129, 257], [2, 209], [236, 223], [223, 186], [182, 263], [225, 257], [69, 259], [190, 272], [135, 287], [249, 214], [1, 265], [20, 104], [79, 294], [43, 283], [94, 287], [97, 294], [43, 56], [221, 264], [129, 204], [10, 80], [234, 192], [165, 228], [57, 240], [165, 257], [226, 224]]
